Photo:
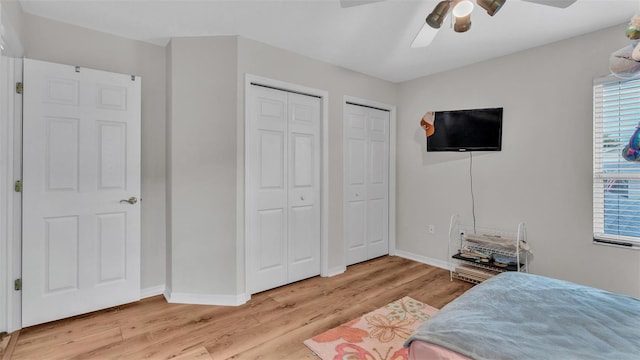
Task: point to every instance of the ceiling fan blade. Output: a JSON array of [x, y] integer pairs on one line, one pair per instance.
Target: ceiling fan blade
[[424, 37], [350, 3], [555, 3]]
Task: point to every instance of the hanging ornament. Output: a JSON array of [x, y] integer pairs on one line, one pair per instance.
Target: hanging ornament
[[427, 123], [631, 151]]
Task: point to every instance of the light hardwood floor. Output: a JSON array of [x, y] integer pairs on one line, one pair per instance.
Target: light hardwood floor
[[272, 325]]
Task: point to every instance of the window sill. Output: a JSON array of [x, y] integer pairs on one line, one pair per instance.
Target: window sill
[[617, 243]]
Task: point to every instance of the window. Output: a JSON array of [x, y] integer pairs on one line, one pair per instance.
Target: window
[[616, 181]]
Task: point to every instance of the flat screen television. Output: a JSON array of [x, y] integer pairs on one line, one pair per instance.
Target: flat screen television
[[467, 130]]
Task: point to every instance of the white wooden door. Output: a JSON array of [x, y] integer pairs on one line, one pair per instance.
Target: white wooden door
[[304, 187], [283, 188], [266, 201], [81, 158], [366, 177]]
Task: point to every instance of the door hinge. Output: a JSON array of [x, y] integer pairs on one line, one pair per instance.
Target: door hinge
[[18, 186], [17, 284], [19, 87]]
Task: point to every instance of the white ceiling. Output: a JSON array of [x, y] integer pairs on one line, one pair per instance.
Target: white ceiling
[[373, 39]]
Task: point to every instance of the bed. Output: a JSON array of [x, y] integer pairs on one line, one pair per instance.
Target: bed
[[524, 316]]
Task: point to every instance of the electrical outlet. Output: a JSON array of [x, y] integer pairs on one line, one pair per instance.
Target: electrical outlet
[[432, 229]]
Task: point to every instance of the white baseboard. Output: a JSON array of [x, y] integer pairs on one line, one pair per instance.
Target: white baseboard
[[152, 291], [335, 271], [423, 259], [206, 299]]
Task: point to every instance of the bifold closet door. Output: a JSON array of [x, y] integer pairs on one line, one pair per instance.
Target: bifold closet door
[[366, 177], [283, 188]]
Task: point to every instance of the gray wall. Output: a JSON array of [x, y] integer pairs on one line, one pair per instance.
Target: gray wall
[[542, 176], [53, 41], [13, 21], [202, 138]]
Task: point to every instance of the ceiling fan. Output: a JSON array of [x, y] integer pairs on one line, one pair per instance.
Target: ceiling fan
[[460, 9]]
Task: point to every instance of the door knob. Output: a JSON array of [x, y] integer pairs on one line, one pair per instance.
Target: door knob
[[132, 200]]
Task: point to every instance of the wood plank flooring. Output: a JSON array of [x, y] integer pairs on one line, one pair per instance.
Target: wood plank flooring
[[272, 325]]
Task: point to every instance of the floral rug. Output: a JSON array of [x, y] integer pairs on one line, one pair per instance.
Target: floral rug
[[378, 335]]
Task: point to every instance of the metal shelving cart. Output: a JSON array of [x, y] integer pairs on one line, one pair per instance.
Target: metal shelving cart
[[478, 253]]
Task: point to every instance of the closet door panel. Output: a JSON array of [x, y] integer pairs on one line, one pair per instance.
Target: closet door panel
[[366, 195], [355, 231], [356, 173], [377, 239], [271, 236], [304, 187], [267, 182], [378, 184], [303, 253]]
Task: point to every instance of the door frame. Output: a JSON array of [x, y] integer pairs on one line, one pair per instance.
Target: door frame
[[324, 165], [11, 213], [392, 166], [10, 170]]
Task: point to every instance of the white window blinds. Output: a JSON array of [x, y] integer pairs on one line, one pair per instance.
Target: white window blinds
[[616, 181]]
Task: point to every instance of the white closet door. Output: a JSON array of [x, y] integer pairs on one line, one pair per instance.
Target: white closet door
[[304, 187], [377, 183], [283, 188], [355, 171], [366, 177], [266, 202], [81, 244]]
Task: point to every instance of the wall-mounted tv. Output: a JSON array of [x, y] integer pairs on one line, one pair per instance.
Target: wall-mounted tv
[[467, 130]]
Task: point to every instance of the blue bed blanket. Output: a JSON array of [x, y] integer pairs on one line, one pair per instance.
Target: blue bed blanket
[[524, 316]]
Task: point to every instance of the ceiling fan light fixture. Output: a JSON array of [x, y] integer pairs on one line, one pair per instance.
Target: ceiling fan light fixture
[[438, 14], [492, 6], [462, 8], [462, 24]]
